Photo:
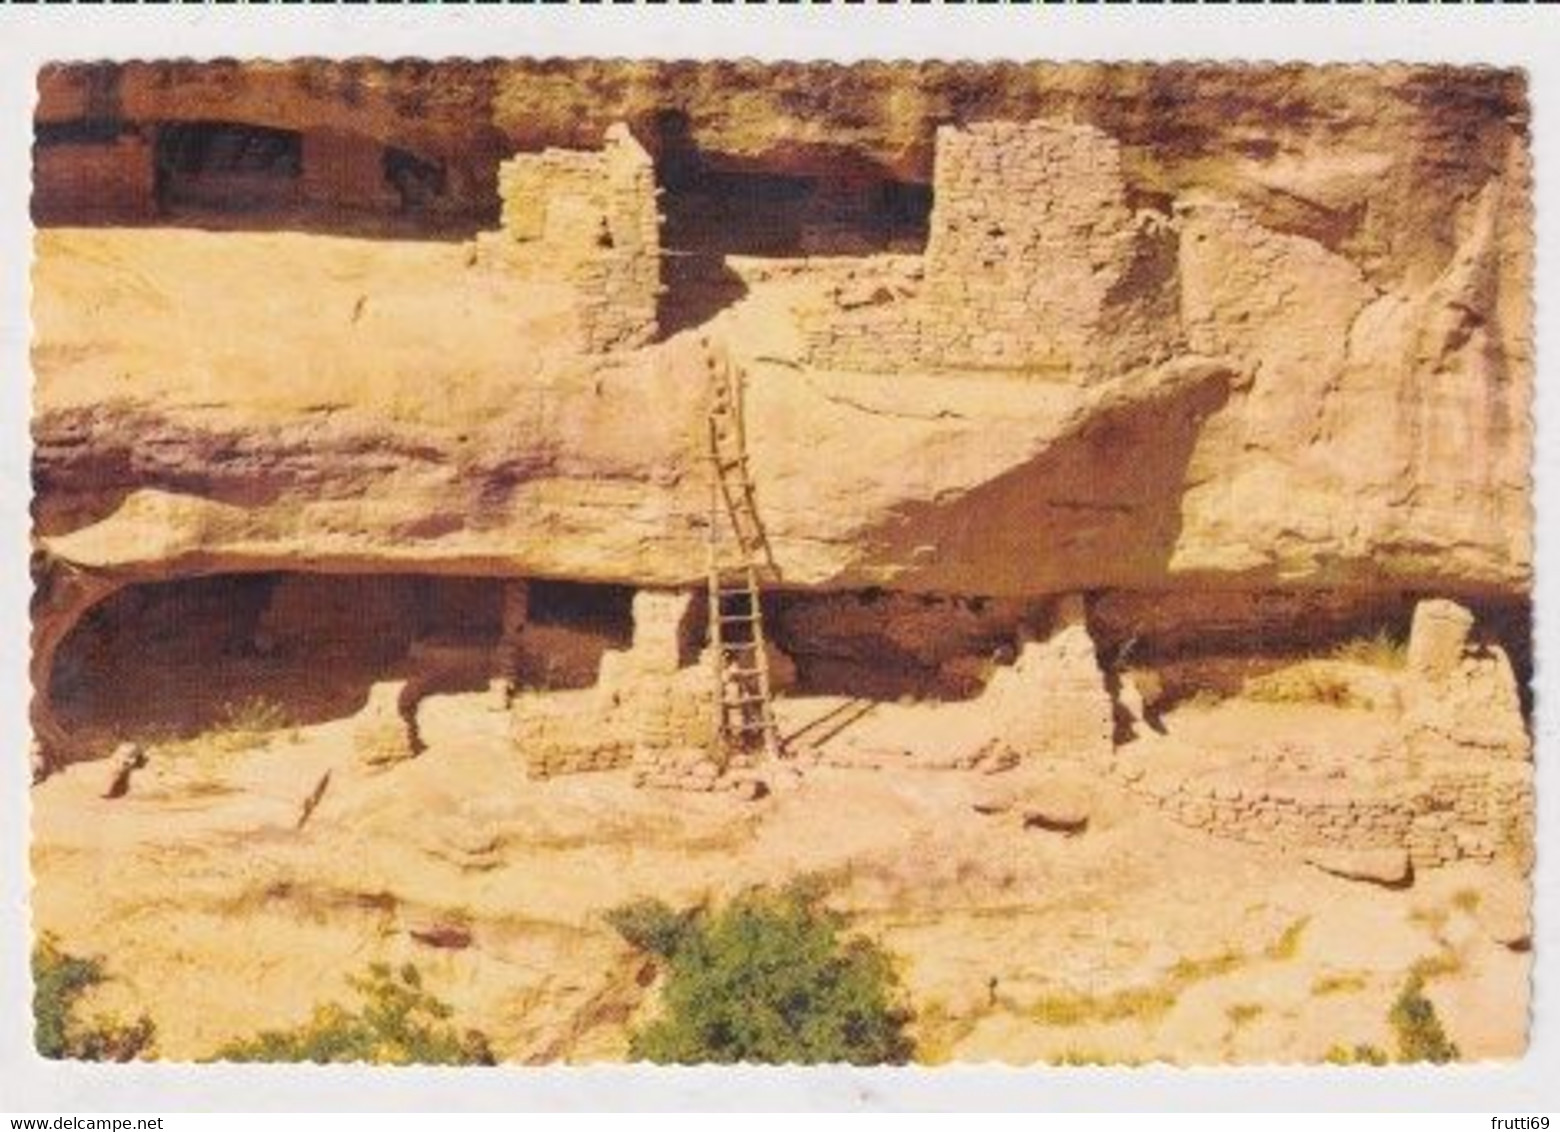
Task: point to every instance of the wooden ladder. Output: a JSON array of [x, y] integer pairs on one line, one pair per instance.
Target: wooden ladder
[[738, 556]]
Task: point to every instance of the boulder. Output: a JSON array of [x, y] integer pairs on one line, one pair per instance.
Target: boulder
[[126, 760], [1057, 815], [1388, 867], [1061, 802], [443, 934]]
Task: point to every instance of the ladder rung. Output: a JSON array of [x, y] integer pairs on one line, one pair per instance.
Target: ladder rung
[[752, 728], [738, 618], [744, 673], [743, 701], [738, 644]]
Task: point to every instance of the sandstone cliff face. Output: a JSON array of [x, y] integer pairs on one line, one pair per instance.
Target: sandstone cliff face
[[1340, 154], [1335, 393], [1110, 426]]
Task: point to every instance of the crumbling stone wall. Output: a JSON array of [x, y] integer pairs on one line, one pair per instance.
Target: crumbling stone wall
[[1439, 816], [647, 707], [1036, 265], [1463, 701], [591, 220], [565, 733], [1052, 701], [1461, 787]]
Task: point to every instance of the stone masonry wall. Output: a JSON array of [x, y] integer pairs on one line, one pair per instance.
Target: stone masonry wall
[[1438, 816], [589, 219], [646, 708], [1052, 701], [1461, 787], [1035, 265], [564, 733]]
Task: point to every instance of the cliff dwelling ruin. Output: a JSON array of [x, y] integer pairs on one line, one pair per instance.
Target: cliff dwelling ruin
[[1158, 438]]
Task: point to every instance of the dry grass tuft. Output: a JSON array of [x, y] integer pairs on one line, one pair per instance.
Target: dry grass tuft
[[1287, 945], [1309, 682], [1443, 964], [1090, 1058], [1383, 650], [938, 1032], [1466, 900], [1242, 1013], [1140, 1004], [1349, 982], [1187, 971]]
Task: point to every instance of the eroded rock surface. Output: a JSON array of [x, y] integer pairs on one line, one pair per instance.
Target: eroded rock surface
[[1110, 429], [1327, 384]]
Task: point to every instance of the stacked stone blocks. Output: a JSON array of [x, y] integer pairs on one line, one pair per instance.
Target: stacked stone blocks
[[1035, 266], [589, 219]]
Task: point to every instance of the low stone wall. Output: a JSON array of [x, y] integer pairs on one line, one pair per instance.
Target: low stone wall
[[1456, 784], [564, 733], [648, 710], [690, 768], [590, 220], [1437, 817]]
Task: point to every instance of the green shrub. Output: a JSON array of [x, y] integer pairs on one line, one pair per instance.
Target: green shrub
[[397, 1023], [1438, 966], [653, 925], [770, 979], [59, 981], [1420, 1036]]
